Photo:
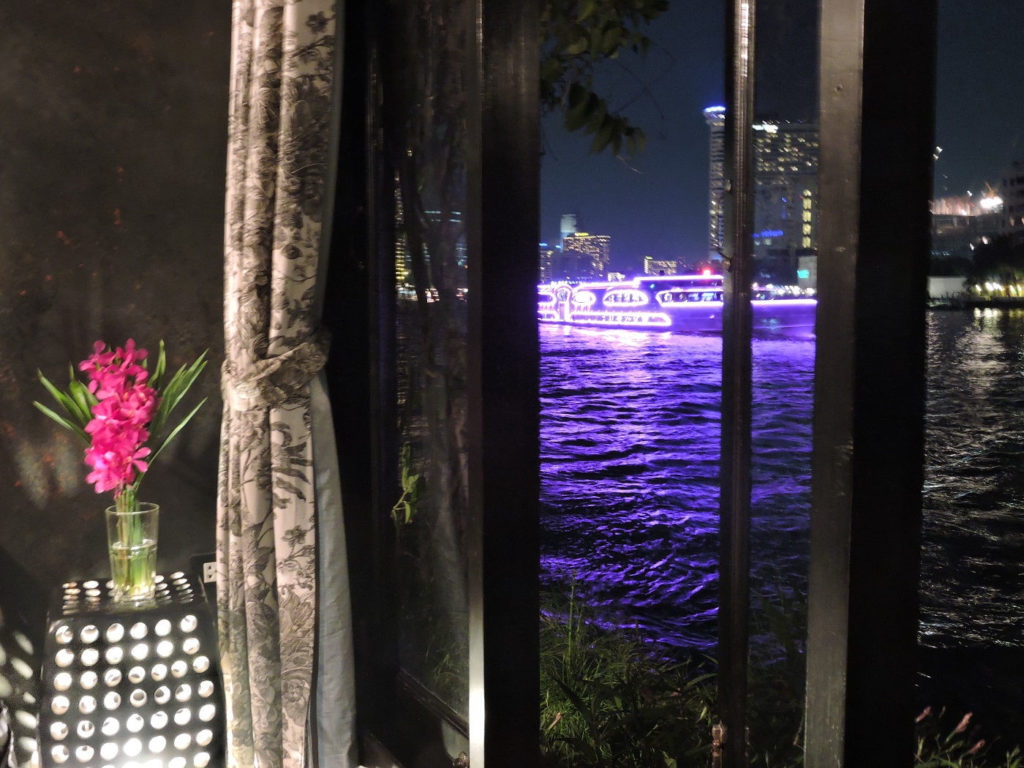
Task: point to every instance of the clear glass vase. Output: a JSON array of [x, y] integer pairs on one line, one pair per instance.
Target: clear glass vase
[[131, 541]]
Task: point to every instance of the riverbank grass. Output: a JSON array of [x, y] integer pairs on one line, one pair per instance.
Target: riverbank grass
[[610, 698]]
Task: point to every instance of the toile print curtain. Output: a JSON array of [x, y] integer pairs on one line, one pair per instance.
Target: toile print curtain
[[283, 613]]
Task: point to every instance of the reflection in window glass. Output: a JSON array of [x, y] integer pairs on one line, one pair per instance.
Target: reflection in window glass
[[424, 123]]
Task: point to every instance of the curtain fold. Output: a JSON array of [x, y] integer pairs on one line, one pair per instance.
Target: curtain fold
[[269, 594]]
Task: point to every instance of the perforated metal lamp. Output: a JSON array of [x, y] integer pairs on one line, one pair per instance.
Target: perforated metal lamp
[[136, 688]]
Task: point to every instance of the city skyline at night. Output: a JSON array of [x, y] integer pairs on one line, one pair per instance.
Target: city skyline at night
[[656, 204]]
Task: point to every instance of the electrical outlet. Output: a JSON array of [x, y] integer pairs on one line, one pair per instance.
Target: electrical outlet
[[209, 572]]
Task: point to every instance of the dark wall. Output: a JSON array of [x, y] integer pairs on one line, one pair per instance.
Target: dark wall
[[113, 119]]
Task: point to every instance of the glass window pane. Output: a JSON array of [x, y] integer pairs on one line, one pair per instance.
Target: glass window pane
[[785, 135], [630, 433], [424, 115], [630, 412]]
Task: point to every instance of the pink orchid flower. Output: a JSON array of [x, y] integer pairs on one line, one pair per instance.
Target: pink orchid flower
[[125, 407]]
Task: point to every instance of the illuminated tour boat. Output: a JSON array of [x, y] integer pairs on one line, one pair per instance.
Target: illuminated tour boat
[[684, 303]]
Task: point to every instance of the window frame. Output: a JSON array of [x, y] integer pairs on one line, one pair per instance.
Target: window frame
[[502, 229]]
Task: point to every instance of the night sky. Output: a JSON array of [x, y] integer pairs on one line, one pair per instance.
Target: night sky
[[657, 203]]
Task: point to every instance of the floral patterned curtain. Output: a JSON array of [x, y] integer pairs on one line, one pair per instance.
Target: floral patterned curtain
[[270, 596]]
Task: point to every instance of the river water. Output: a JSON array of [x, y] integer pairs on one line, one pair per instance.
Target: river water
[[629, 484]]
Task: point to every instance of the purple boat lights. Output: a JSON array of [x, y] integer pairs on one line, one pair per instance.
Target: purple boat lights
[[684, 303]]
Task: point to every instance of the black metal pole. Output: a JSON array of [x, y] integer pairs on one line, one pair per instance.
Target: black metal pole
[[734, 561], [877, 137]]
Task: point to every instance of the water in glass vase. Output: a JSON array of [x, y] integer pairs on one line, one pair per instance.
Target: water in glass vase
[[132, 543], [133, 570]]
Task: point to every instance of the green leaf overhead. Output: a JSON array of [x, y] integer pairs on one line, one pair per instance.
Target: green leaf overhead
[[578, 37]]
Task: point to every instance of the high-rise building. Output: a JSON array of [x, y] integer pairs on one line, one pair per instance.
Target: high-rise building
[[715, 118], [568, 225], [584, 256], [403, 272], [785, 189], [547, 255], [1012, 191], [453, 231], [653, 266]]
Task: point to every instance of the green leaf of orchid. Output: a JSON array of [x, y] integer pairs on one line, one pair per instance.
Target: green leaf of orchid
[[81, 410], [176, 430], [161, 365], [65, 401], [74, 428], [83, 398], [176, 389]]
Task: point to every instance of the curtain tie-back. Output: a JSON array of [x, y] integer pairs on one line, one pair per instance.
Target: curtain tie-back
[[273, 381]]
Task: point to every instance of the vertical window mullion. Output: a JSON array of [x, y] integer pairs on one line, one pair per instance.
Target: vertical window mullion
[[503, 231], [734, 562], [877, 137]]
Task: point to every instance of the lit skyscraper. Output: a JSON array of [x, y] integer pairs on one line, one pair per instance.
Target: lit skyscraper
[[585, 256], [547, 255], [403, 272], [785, 187], [715, 118], [452, 225], [653, 266]]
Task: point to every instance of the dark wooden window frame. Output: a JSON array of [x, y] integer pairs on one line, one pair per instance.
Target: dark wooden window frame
[[502, 231]]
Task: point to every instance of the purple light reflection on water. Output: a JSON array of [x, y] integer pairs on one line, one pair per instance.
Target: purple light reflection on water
[[629, 472], [629, 491]]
